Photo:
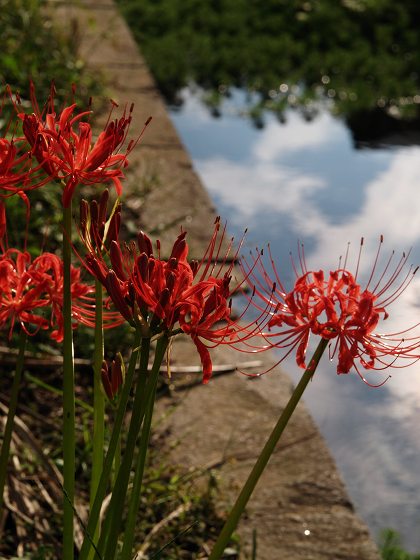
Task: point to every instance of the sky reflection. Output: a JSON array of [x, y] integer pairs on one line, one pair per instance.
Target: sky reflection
[[304, 181]]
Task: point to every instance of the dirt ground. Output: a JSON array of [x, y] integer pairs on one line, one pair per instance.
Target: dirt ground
[[300, 508]]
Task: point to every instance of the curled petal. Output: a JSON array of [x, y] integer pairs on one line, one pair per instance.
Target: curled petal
[[205, 359]]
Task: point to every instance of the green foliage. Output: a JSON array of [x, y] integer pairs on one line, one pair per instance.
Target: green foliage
[[177, 508], [33, 48], [391, 549], [184, 511], [359, 53]]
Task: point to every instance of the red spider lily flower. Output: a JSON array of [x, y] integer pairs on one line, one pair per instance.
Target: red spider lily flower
[[18, 169], [173, 295], [62, 144], [50, 267], [31, 292], [336, 307], [64, 149], [21, 296], [208, 305]]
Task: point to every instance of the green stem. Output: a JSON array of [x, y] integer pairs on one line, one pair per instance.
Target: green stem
[[116, 464], [111, 524], [7, 437], [141, 401], [98, 401], [141, 460], [69, 440], [265, 455], [109, 458]]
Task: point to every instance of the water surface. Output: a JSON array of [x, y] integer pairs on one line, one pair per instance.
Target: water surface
[[305, 182]]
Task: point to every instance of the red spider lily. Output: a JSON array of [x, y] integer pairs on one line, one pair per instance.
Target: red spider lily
[[208, 304], [50, 267], [63, 147], [17, 172], [336, 307], [17, 169], [62, 144], [21, 297], [173, 295], [31, 293]]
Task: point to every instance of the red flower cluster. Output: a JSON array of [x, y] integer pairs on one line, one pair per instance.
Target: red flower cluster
[[336, 307], [31, 294], [171, 295], [62, 144]]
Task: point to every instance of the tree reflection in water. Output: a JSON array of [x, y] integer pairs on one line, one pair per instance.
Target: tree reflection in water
[[361, 55]]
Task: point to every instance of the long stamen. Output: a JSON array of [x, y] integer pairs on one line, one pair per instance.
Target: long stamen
[[375, 263], [359, 258]]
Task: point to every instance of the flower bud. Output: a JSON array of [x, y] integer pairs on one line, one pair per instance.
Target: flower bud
[[113, 377]]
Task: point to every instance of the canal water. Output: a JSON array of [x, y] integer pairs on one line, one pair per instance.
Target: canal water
[[305, 181]]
